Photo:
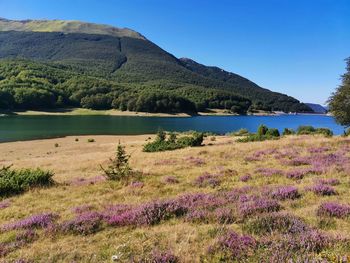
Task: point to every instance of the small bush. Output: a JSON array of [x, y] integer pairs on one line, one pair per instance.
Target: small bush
[[324, 131], [333, 209], [346, 132], [91, 140], [311, 130], [275, 222], [119, 168], [262, 130], [17, 181], [57, 145], [273, 132], [262, 134], [76, 139], [288, 131], [83, 224], [173, 143], [233, 247], [240, 132], [305, 130]]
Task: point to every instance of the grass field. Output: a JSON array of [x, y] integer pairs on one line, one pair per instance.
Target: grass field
[[225, 201]]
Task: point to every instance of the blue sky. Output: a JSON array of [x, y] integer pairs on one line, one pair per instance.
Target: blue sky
[[295, 47]]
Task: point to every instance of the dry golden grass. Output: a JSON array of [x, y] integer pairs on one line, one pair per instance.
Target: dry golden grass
[[76, 160]]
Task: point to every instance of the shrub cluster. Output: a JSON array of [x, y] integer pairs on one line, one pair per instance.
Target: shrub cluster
[[311, 130], [263, 133], [161, 143], [14, 181]]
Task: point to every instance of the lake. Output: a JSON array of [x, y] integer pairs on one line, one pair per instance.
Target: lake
[[17, 127]]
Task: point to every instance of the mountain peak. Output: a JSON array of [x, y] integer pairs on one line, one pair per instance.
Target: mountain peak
[[66, 26]]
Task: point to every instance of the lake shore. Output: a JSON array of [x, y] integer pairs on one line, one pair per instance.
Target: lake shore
[[113, 112]]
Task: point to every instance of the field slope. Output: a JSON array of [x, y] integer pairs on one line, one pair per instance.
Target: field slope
[[225, 201]]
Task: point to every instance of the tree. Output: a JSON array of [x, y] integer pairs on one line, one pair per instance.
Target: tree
[[339, 102], [119, 168]]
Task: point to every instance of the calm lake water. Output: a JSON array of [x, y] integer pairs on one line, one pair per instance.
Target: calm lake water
[[14, 128]]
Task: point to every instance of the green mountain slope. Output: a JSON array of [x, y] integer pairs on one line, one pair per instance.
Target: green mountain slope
[[119, 58]]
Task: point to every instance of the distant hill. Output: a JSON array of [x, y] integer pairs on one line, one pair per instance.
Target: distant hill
[[128, 72], [317, 108]]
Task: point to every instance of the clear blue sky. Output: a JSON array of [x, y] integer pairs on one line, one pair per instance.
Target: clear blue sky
[[296, 47]]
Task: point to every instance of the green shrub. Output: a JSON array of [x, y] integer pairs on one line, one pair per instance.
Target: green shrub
[[347, 132], [172, 137], [91, 140], [311, 130], [257, 138], [119, 168], [262, 129], [76, 139], [288, 131], [324, 131], [240, 132], [173, 143], [305, 130], [161, 136], [262, 134], [14, 181], [57, 145], [272, 132]]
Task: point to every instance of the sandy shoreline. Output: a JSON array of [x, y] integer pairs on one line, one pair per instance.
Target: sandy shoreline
[[113, 112]]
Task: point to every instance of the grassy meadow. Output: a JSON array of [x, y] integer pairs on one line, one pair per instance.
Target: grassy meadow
[[226, 201]]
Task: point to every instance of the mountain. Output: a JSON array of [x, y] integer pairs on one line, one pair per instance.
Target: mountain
[[317, 108], [58, 63], [66, 27]]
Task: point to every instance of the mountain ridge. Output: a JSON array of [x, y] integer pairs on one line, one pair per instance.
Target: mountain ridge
[[132, 61], [66, 26]]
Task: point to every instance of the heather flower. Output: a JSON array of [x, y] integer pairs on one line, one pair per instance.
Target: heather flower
[[207, 179], [322, 189], [20, 240], [82, 208], [324, 162], [333, 209], [200, 200], [163, 257], [258, 155], [285, 192], [171, 180], [198, 216], [245, 178], [235, 194], [4, 204], [224, 215], [87, 181], [165, 162], [282, 248], [35, 221], [329, 181], [258, 205], [195, 160], [268, 171], [298, 174], [149, 214], [297, 161], [234, 246], [137, 184], [84, 223], [318, 149], [276, 222]]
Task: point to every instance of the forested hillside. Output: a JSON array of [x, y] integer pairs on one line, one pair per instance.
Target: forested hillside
[[115, 68]]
